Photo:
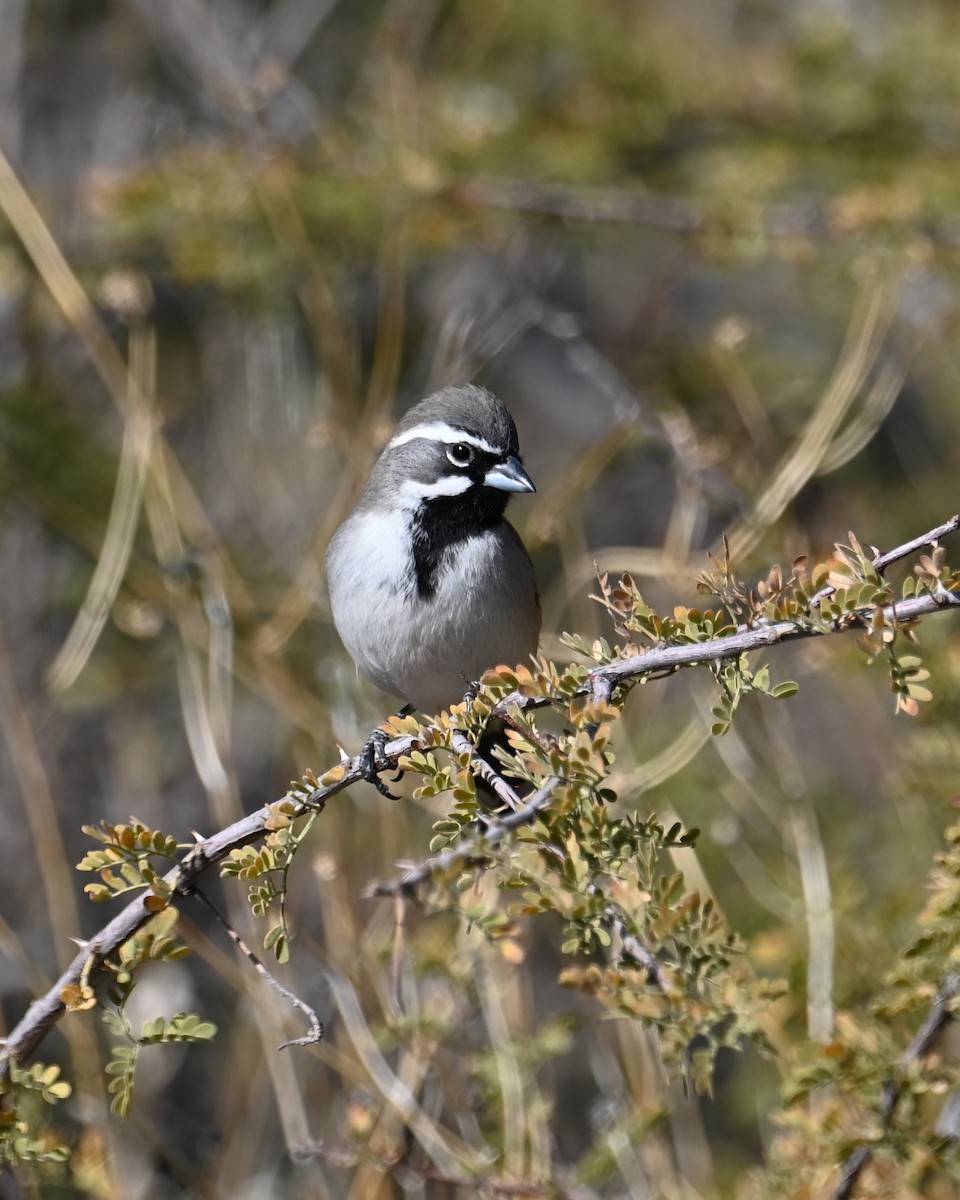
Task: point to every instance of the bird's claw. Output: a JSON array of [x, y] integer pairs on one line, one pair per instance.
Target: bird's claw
[[472, 692], [373, 760]]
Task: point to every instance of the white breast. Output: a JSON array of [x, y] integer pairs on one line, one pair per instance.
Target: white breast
[[484, 611]]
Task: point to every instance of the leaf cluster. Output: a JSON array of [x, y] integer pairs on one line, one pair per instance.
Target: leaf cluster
[[267, 866], [128, 861], [156, 1031], [26, 1094], [154, 942]]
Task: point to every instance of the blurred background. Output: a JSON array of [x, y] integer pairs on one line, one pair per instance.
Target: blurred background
[[707, 252]]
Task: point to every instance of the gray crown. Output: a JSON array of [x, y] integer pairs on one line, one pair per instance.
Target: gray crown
[[471, 408]]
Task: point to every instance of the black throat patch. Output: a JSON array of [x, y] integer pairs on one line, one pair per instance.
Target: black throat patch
[[442, 522]]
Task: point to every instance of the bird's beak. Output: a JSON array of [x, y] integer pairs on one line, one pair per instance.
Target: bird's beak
[[509, 476]]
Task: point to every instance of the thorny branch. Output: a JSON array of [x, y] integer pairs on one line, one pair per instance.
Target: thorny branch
[[48, 1009]]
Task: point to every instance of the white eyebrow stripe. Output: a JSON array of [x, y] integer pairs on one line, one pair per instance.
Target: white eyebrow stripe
[[447, 485], [440, 431]]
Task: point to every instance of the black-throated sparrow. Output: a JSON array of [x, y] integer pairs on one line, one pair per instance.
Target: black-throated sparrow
[[429, 584]]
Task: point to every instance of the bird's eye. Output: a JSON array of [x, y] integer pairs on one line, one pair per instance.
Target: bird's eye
[[460, 454]]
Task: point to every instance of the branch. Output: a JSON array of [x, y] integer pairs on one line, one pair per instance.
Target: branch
[[316, 1025], [882, 561], [474, 850], [678, 214], [48, 1009], [940, 1015], [483, 770], [667, 659]]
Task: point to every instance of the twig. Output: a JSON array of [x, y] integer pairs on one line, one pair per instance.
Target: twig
[[483, 770], [669, 658], [472, 850], [48, 1009], [882, 561], [940, 1015], [635, 949], [316, 1025]]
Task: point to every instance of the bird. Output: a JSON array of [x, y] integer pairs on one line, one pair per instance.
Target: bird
[[429, 583]]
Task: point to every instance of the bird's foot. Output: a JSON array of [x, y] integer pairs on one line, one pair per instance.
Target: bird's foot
[[373, 760], [471, 693]]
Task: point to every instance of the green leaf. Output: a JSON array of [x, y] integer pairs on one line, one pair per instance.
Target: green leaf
[[276, 940]]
